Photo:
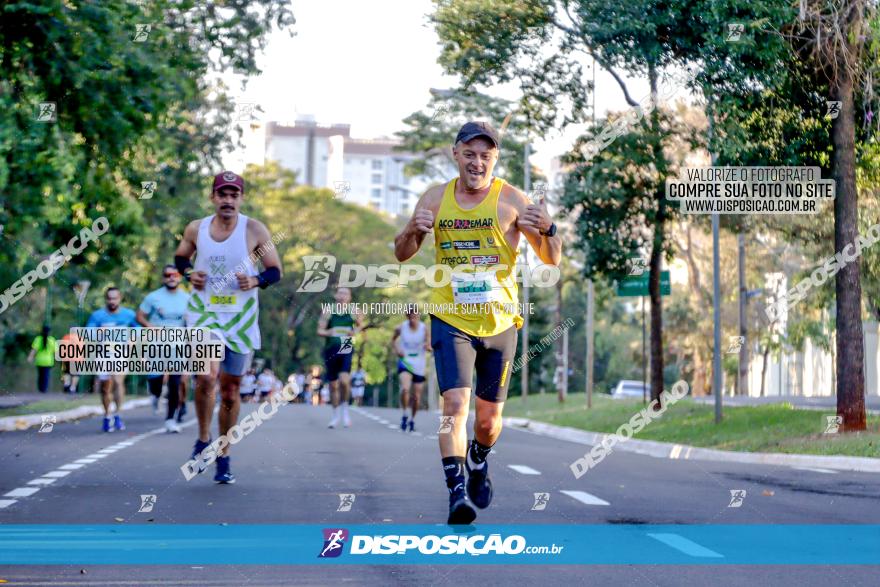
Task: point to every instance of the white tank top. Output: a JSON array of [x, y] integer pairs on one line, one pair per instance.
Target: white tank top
[[222, 306], [412, 343]]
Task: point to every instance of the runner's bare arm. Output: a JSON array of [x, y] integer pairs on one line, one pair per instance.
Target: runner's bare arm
[[261, 245], [394, 343], [322, 325], [532, 219], [141, 317], [410, 239], [185, 249]]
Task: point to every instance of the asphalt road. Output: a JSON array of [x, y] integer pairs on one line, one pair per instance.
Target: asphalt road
[[292, 470]]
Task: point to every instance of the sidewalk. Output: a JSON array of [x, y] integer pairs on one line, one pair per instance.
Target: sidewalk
[[14, 400], [826, 403], [669, 450]]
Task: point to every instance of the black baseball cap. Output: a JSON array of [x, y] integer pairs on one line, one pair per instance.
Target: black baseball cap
[[472, 130]]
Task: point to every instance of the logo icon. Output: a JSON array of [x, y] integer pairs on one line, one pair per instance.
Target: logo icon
[[47, 112], [490, 242], [446, 424], [539, 192], [148, 188], [833, 423], [141, 32], [833, 108], [638, 266], [346, 500], [341, 189], [736, 498], [147, 503], [48, 423], [735, 344], [318, 270], [735, 31], [346, 347], [334, 540], [541, 500], [440, 112], [244, 111]]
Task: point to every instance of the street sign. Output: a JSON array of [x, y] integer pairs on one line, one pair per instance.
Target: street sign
[[637, 285]]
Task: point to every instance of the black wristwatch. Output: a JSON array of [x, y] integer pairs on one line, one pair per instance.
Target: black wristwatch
[[550, 231]]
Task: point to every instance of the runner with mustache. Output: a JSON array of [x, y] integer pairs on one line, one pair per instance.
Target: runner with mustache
[[225, 302]]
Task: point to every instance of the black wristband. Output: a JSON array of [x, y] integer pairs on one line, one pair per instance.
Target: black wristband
[[184, 265], [268, 277]]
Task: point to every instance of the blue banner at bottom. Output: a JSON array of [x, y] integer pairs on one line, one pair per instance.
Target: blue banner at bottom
[[440, 544]]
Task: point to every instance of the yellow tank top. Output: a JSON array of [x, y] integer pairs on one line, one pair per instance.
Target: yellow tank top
[[479, 266]]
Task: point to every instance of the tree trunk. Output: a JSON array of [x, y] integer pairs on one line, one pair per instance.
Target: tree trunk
[[656, 263], [850, 345], [764, 368]]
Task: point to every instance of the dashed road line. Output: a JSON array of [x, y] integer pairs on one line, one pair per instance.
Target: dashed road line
[[584, 497], [22, 492], [689, 547], [524, 470]]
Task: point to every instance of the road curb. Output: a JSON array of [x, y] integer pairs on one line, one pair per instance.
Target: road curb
[[23, 422], [668, 450]]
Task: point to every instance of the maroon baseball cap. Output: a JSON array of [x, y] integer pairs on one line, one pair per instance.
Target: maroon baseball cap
[[228, 178]]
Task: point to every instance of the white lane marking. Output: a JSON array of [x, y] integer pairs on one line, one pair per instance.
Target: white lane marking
[[5, 503], [57, 474], [107, 451], [584, 497], [41, 481], [95, 456], [816, 470], [392, 427], [414, 433], [432, 437], [523, 470], [86, 461], [22, 492], [71, 467], [689, 547]]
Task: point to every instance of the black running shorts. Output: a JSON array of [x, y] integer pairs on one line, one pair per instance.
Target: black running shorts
[[336, 363], [458, 354]]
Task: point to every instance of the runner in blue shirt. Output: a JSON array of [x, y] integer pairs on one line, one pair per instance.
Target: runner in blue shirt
[[112, 315], [165, 307]]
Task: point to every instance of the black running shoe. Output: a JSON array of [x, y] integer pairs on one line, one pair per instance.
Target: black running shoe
[[199, 447], [479, 486], [461, 511], [181, 412], [223, 476], [412, 425], [403, 423]]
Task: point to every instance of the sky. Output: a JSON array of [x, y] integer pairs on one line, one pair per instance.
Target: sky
[[371, 64]]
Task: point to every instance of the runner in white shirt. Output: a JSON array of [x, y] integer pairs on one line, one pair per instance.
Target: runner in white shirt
[[411, 341]]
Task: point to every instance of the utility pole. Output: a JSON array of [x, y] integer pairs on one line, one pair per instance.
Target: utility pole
[[716, 292], [588, 366], [591, 302], [524, 372]]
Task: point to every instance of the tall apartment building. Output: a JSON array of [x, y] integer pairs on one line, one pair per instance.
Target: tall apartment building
[[327, 156]]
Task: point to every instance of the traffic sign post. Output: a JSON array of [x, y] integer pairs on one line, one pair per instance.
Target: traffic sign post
[[636, 286]]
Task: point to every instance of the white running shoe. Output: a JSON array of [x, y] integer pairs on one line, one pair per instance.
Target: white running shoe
[[171, 426], [335, 421], [346, 421]]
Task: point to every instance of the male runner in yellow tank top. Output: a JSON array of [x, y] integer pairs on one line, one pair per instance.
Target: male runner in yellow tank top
[[476, 220]]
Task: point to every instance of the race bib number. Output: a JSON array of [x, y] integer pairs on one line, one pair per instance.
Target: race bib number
[[224, 303], [475, 288]]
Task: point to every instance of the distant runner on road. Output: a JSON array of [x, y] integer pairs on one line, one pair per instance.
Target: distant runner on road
[[411, 344], [165, 307], [112, 316]]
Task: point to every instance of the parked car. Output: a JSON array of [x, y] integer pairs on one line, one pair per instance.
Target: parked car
[[629, 388]]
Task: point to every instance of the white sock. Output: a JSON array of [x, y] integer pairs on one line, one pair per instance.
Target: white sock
[[344, 410], [471, 462]]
